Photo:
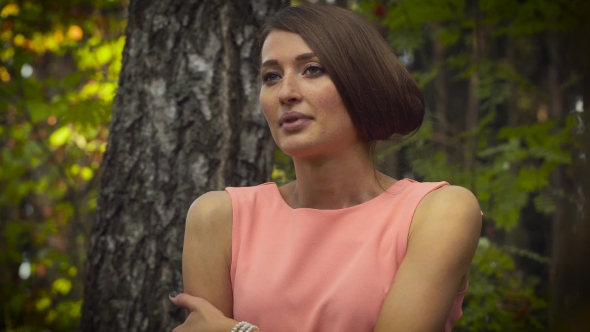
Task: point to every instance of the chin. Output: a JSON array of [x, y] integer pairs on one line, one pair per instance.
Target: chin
[[294, 148], [301, 149]]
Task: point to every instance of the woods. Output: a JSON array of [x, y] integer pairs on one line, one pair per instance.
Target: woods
[[506, 122], [507, 85]]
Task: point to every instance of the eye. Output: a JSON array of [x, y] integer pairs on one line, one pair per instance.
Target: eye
[[314, 70], [270, 77]]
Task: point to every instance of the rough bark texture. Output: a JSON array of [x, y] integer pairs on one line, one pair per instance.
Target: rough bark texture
[[186, 121]]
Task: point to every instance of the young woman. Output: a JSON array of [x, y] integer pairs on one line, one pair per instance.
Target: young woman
[[344, 247]]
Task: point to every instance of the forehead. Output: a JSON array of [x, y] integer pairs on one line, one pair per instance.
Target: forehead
[[283, 44]]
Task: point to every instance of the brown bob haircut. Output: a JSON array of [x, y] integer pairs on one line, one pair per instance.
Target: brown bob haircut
[[379, 93]]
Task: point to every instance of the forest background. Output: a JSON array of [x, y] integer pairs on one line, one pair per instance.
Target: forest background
[[505, 83]]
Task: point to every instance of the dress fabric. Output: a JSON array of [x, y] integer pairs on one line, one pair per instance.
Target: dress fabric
[[320, 270]]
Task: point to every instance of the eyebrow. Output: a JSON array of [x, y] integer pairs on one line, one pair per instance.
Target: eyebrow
[[303, 56]]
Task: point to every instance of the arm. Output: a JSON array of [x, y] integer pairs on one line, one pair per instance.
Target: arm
[[206, 263], [206, 255], [441, 244]]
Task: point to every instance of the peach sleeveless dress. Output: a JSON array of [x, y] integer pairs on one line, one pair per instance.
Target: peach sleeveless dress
[[320, 270]]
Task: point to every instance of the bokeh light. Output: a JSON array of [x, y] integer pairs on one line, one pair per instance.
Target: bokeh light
[[26, 70], [52, 120], [75, 32]]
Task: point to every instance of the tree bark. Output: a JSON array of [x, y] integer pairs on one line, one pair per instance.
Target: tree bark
[[571, 233], [186, 120]]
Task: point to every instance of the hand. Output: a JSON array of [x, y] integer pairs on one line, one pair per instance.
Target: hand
[[203, 317]]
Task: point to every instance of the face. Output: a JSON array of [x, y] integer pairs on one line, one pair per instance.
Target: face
[[300, 102]]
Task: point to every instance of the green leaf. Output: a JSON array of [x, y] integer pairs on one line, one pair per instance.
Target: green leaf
[[60, 136]]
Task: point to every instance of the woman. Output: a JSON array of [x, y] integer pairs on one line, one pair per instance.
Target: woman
[[344, 247]]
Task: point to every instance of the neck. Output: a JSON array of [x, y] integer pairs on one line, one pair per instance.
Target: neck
[[335, 181]]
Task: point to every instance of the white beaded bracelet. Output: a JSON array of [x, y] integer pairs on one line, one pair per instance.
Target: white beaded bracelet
[[244, 327]]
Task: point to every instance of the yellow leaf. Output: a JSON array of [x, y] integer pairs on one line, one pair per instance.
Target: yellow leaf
[[59, 36], [62, 285], [8, 10], [6, 35], [4, 75], [106, 91], [103, 54], [277, 173], [93, 146], [80, 141], [75, 169], [86, 173], [50, 43], [89, 90], [7, 54], [19, 40], [43, 303], [60, 136]]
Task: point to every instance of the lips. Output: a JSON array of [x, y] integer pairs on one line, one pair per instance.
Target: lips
[[293, 116], [294, 121]]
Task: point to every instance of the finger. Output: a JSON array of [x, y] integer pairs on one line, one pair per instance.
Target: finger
[[185, 301]]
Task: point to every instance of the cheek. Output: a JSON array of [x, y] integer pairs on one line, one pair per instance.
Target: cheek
[[334, 107], [267, 107], [328, 97]]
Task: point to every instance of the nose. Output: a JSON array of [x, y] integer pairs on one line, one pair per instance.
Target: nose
[[289, 92]]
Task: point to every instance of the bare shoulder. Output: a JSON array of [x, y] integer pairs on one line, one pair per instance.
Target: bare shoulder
[[209, 226], [451, 207], [450, 217], [443, 238], [206, 256], [211, 210], [456, 196]]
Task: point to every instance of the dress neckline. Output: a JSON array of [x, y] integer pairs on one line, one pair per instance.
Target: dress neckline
[[394, 189]]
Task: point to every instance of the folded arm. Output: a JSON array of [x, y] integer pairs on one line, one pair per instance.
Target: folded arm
[[441, 245], [206, 265]]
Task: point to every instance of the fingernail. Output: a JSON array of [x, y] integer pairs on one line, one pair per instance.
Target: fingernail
[[174, 294]]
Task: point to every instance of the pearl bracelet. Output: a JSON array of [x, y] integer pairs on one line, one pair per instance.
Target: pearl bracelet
[[244, 327]]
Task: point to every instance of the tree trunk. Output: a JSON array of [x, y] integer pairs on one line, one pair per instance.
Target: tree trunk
[[473, 101], [186, 120], [571, 234]]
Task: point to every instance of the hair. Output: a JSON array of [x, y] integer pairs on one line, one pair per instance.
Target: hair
[[378, 92]]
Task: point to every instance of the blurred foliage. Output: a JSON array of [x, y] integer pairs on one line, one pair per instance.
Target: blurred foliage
[[283, 170], [59, 65], [512, 163], [503, 302], [499, 47]]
